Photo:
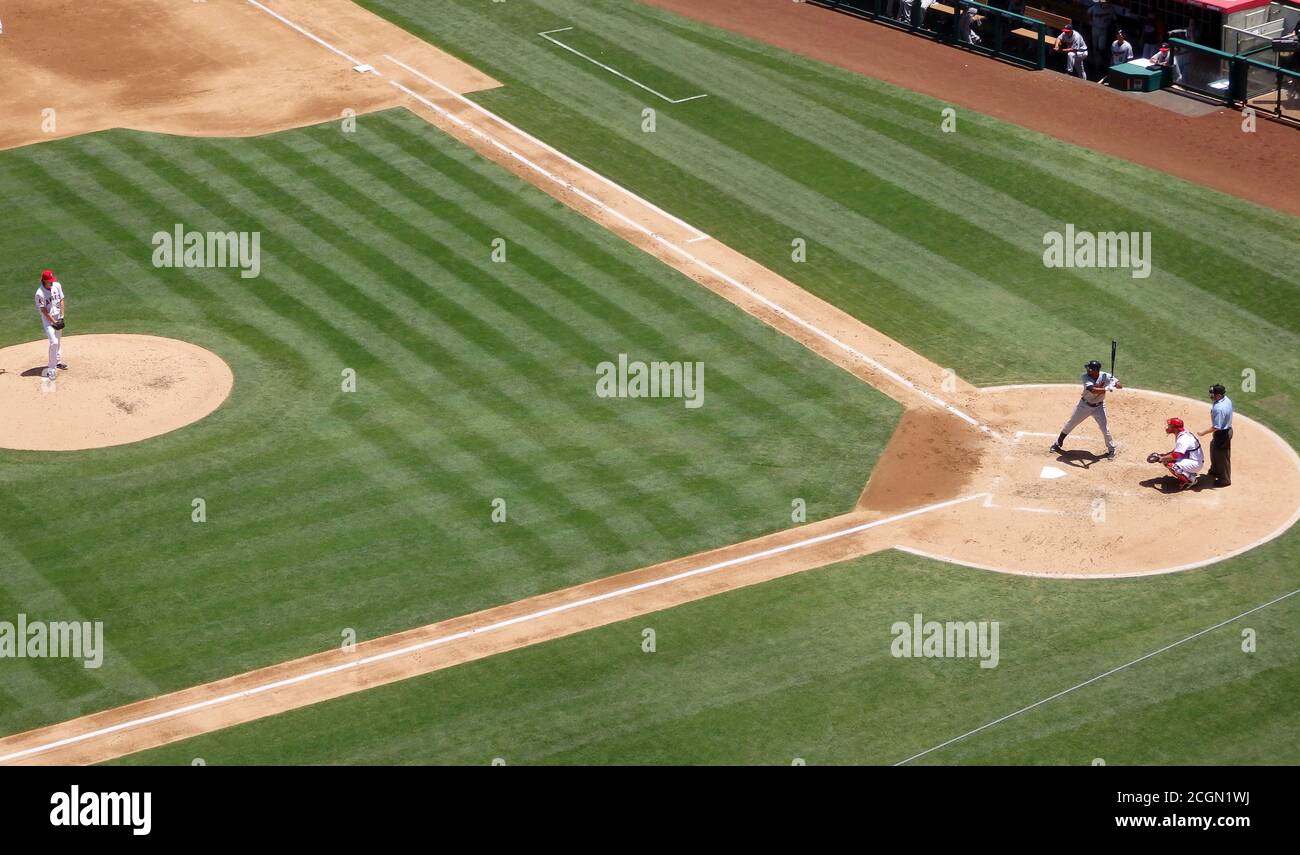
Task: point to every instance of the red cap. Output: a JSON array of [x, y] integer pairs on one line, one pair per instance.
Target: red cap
[[47, 275], [1173, 425], [1067, 29]]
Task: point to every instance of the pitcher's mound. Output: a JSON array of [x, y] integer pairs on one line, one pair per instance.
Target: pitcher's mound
[[117, 389]]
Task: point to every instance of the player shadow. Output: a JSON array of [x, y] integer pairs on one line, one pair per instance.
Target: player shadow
[[1169, 484], [33, 372], [1079, 458]]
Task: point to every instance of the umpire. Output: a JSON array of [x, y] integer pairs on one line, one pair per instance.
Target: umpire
[[1221, 444]]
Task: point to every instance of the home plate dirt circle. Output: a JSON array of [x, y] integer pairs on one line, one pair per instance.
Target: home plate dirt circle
[[1078, 514], [118, 389]]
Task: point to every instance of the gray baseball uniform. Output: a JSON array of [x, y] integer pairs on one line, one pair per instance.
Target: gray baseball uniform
[[1092, 405]]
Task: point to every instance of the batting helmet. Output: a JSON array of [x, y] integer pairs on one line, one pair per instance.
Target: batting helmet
[[1174, 425], [1093, 364]]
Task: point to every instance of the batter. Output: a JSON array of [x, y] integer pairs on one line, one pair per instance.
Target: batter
[[1092, 404]]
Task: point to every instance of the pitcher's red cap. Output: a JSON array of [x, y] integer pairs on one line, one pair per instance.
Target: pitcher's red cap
[[47, 275]]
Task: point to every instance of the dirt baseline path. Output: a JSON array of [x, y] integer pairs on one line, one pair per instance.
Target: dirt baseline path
[[963, 479], [1210, 150]]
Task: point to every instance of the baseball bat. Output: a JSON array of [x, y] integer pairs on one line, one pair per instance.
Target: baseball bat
[[1114, 345]]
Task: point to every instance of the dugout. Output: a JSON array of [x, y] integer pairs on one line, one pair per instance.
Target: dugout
[[1146, 23]]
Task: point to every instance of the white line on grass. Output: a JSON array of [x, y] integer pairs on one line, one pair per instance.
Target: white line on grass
[[349, 57], [703, 265], [501, 624], [862, 357], [698, 235], [1098, 677], [547, 35]]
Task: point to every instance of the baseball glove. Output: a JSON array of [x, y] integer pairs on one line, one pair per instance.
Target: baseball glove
[[58, 325], [1154, 457]]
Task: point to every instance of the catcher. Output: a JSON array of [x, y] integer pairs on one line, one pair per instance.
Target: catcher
[[1187, 458], [49, 301]]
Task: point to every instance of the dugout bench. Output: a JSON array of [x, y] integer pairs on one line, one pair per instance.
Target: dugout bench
[[1059, 22]]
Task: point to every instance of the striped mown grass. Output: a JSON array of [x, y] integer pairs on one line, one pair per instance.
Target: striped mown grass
[[935, 239], [800, 667], [371, 510]]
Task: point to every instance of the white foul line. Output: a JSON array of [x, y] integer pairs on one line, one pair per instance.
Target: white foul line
[[352, 59], [467, 633], [779, 310], [1095, 679], [546, 35], [699, 235], [713, 271]]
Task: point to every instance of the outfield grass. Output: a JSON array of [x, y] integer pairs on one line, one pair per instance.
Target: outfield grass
[[936, 239], [475, 380]]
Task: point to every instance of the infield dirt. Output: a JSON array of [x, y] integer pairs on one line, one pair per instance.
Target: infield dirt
[[219, 68], [118, 389]]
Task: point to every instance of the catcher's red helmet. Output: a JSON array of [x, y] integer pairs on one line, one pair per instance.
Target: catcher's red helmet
[[1174, 425]]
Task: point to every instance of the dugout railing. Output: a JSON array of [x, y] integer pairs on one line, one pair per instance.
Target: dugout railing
[[1236, 79], [997, 33], [1277, 89]]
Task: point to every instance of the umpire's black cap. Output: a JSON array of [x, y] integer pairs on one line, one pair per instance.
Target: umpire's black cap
[[1217, 389]]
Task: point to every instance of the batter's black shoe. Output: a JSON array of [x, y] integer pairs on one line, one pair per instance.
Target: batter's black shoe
[[1110, 455], [62, 366], [1056, 447]]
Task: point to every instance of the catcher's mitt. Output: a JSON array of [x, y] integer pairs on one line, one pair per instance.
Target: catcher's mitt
[[1154, 457], [58, 325]]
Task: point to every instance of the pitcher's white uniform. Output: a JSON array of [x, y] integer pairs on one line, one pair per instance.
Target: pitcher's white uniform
[[1092, 404], [1188, 457], [51, 301]]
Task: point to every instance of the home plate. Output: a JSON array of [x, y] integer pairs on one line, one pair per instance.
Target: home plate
[[1051, 472]]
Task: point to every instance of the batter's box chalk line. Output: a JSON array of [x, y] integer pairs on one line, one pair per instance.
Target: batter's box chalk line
[[547, 35]]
